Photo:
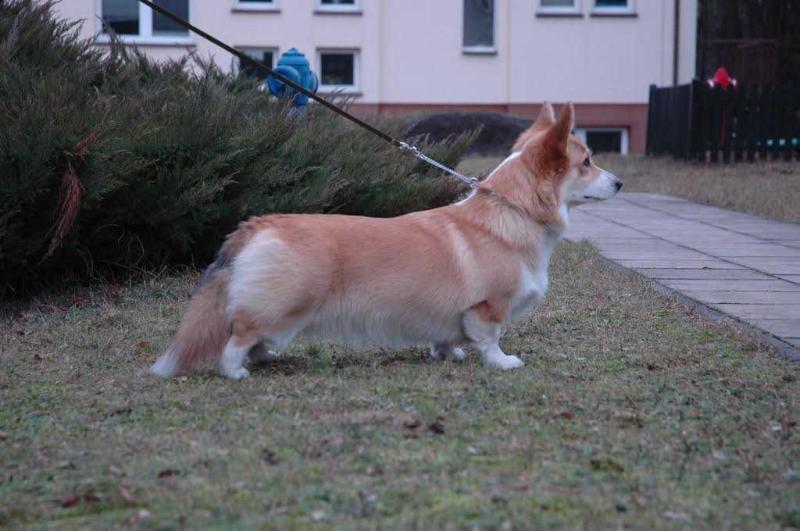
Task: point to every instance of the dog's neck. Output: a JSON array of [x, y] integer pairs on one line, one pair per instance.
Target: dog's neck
[[511, 220]]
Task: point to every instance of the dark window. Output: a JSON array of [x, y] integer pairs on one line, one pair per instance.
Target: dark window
[[248, 69], [122, 16], [611, 3], [558, 3], [478, 23], [604, 141], [337, 2], [337, 69], [165, 26]]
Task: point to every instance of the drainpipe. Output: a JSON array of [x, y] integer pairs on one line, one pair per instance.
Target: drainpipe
[[676, 44]]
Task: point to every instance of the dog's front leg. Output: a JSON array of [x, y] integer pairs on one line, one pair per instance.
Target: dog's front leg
[[482, 325], [446, 351]]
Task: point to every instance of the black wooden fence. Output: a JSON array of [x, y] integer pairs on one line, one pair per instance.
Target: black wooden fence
[[748, 123]]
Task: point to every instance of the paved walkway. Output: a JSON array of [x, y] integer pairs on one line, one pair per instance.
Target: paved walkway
[[738, 264]]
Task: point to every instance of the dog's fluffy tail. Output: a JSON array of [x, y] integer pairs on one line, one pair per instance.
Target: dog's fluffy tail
[[204, 330]]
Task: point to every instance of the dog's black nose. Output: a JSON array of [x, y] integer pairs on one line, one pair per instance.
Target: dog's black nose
[[618, 184]]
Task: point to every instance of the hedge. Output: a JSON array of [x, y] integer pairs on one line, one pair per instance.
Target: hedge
[[113, 164]]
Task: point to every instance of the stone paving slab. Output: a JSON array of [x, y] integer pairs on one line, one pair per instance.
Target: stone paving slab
[[745, 297], [780, 327], [739, 264], [760, 311], [709, 274], [770, 285]]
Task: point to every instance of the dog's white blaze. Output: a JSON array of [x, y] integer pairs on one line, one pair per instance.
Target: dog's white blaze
[[508, 159], [534, 282], [505, 161]]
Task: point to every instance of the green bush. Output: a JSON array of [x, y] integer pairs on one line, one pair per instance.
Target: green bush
[[112, 164]]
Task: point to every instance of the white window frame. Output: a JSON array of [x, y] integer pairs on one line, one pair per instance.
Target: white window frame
[[629, 10], [341, 89], [262, 6], [625, 140], [481, 49], [145, 35], [337, 8], [244, 49], [576, 9]]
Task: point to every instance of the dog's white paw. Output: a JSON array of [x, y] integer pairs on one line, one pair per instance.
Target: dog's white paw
[[458, 354], [505, 363], [447, 352], [236, 374]]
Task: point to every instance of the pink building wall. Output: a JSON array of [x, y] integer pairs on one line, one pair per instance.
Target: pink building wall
[[410, 53]]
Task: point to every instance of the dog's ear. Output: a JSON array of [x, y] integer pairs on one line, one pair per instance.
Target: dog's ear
[[544, 121], [546, 158], [547, 155], [546, 118], [558, 135]]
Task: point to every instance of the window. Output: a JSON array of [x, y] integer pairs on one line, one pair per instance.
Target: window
[[559, 7], [605, 139], [338, 6], [133, 21], [613, 7], [262, 55], [255, 5], [479, 26], [338, 71]]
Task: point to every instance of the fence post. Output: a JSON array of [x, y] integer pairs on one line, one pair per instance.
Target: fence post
[[650, 148], [739, 130]]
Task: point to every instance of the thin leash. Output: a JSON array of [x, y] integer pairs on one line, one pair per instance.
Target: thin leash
[[472, 182]]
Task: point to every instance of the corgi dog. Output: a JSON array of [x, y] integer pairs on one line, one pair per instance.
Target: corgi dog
[[446, 277]]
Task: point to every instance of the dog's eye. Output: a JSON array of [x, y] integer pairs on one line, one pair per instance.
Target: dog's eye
[[587, 162]]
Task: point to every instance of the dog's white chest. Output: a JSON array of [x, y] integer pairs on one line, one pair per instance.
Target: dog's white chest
[[531, 290]]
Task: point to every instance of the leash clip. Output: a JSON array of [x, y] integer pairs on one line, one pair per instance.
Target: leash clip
[[472, 182]]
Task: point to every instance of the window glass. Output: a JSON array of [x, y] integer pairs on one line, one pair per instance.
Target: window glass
[[558, 3], [163, 25], [248, 69], [478, 23], [604, 141], [337, 69], [337, 2], [121, 15], [611, 3]]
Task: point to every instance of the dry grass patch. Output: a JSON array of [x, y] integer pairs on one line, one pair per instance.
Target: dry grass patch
[[630, 411]]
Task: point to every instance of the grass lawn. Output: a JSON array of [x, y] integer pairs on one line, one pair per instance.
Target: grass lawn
[[770, 190], [630, 411]]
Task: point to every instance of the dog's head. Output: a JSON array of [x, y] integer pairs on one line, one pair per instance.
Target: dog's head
[[560, 165]]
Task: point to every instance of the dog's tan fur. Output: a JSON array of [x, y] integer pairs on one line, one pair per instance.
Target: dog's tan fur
[[446, 276]]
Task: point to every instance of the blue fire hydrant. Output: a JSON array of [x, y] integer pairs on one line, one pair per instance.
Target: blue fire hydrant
[[294, 66]]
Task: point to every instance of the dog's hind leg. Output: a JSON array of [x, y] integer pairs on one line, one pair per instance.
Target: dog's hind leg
[[232, 362], [446, 351], [243, 338], [482, 327]]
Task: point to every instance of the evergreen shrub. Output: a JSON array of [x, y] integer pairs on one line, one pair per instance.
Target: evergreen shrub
[[112, 164]]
